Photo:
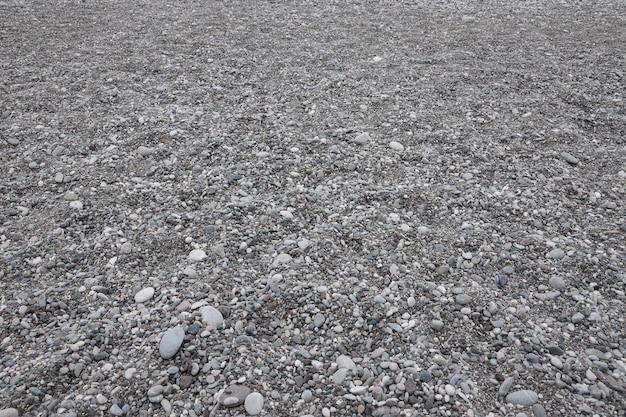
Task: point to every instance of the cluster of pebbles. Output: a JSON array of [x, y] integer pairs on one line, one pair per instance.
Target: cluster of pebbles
[[337, 209]]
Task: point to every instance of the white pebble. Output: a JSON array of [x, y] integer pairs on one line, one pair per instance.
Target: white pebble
[[144, 295], [197, 255], [362, 138], [396, 146], [253, 403]]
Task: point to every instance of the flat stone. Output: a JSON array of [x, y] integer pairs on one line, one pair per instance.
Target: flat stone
[[253, 403], [155, 390], [577, 318], [234, 395], [9, 412], [318, 320], [523, 397], [569, 158], [556, 254], [282, 259], [144, 151], [212, 317], [436, 325], [614, 384], [362, 138], [116, 410], [144, 295], [358, 390], [396, 146], [339, 376], [171, 341], [505, 387], [126, 248]]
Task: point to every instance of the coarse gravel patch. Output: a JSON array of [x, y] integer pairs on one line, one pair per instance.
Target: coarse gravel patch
[[295, 208]]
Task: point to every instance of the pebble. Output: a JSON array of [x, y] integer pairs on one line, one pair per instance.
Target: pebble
[[234, 395], [422, 230], [318, 320], [569, 158], [346, 362], [577, 318], [197, 255], [116, 410], [155, 390], [253, 404], [557, 283], [144, 295], [171, 342], [76, 205], [539, 411], [362, 138], [70, 196], [358, 390], [126, 248], [144, 151], [339, 376], [307, 395], [283, 258], [523, 397], [556, 254], [463, 299], [436, 325], [9, 412], [396, 146], [505, 387], [212, 317]]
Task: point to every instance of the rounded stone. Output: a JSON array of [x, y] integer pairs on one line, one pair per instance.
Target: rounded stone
[[557, 283], [463, 299], [212, 317], [396, 146], [523, 397], [556, 254], [319, 319], [234, 395], [197, 255], [144, 295], [253, 404], [171, 341], [436, 325], [126, 248], [144, 151], [9, 412]]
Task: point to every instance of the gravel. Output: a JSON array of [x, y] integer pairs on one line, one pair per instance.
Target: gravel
[[336, 209]]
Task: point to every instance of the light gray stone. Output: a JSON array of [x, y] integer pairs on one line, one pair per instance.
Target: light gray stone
[[171, 341], [523, 397]]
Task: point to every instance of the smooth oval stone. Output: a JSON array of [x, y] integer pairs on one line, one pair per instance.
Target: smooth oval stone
[[339, 376], [557, 283], [463, 299], [144, 151], [319, 319], [171, 341], [436, 325], [9, 412], [197, 255], [556, 254], [523, 397], [144, 295], [253, 403], [212, 317]]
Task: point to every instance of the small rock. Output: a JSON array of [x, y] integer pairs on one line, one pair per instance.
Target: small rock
[[539, 411], [569, 158], [9, 412], [556, 254], [436, 325], [557, 283], [70, 196], [463, 299], [422, 230], [116, 410], [524, 397], [346, 362], [253, 403], [197, 255], [307, 395], [171, 341], [76, 205], [339, 376], [234, 395], [283, 258], [505, 387], [156, 390], [577, 318], [144, 295], [396, 146], [358, 390], [126, 248], [212, 317], [318, 320], [362, 138], [144, 151]]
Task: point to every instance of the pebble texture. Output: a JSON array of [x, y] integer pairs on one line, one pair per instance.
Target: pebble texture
[[312, 208]]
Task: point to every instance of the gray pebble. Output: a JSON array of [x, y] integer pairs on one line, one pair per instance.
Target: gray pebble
[[557, 283], [234, 395], [426, 376], [523, 397], [212, 317], [171, 342], [539, 411], [116, 410], [505, 387], [144, 151], [307, 395], [253, 403], [339, 376], [569, 158], [508, 270], [577, 317], [436, 325], [319, 319], [463, 299], [9, 412], [345, 362], [556, 254]]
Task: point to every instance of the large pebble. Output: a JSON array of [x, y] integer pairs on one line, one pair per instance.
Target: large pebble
[[463, 299], [523, 397], [144, 151], [396, 146], [234, 395], [557, 283], [253, 403], [9, 412], [339, 376], [539, 411], [144, 295], [362, 138], [212, 317], [346, 362], [171, 341], [197, 255], [569, 158], [126, 248], [556, 254]]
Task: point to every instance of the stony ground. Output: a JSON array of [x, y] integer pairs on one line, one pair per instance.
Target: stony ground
[[328, 208]]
